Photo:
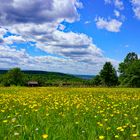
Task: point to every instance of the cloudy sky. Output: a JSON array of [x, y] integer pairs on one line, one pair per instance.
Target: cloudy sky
[[70, 36]]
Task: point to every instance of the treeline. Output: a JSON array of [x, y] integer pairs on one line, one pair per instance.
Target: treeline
[[127, 75], [16, 77]]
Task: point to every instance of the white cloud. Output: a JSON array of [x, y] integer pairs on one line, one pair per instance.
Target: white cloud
[[136, 7], [38, 22], [38, 11], [61, 27], [10, 57], [111, 25], [116, 13], [108, 1], [87, 22], [2, 33], [117, 3], [13, 38]]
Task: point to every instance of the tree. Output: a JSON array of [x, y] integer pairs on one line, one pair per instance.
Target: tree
[[108, 75], [97, 80], [14, 77], [125, 67], [130, 57], [132, 78]]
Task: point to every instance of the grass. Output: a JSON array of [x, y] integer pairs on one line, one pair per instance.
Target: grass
[[69, 113]]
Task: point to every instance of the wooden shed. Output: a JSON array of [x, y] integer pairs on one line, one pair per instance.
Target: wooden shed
[[32, 83]]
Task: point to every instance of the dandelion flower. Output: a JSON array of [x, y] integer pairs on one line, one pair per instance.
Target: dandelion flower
[[5, 121], [134, 135], [116, 136], [133, 126], [44, 136], [16, 134], [101, 137]]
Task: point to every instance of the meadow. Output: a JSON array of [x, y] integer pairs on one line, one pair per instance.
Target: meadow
[[69, 113]]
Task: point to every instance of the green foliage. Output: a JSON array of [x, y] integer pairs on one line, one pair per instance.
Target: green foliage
[[130, 71], [127, 62], [14, 77], [108, 75], [97, 80]]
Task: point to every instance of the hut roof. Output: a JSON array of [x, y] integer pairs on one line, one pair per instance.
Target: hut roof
[[33, 82]]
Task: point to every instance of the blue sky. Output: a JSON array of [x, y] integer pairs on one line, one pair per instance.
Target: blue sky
[[70, 36]]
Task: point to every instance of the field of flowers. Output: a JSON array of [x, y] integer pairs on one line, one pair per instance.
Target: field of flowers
[[69, 113]]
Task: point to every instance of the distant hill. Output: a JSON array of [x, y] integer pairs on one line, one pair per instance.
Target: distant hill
[[45, 78], [49, 75], [86, 77]]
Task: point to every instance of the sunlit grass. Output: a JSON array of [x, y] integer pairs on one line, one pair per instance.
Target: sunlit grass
[[69, 113]]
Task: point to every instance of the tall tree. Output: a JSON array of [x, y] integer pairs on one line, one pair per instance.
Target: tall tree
[[97, 80], [132, 78], [129, 59], [14, 77], [108, 75], [124, 67]]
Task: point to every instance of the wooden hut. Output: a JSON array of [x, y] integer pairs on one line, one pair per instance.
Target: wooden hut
[[32, 83]]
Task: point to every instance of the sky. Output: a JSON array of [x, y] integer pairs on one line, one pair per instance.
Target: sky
[[68, 36]]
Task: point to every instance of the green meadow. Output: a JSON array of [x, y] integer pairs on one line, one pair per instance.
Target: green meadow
[[69, 113]]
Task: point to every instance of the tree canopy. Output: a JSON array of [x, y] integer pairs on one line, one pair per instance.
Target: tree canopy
[[130, 71], [14, 77], [107, 76]]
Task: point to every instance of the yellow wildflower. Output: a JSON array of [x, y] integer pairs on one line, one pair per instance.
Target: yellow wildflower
[[116, 136], [101, 137], [134, 135], [44, 136], [133, 126], [5, 121]]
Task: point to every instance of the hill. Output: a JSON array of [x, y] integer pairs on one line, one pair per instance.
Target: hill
[[86, 77], [50, 78]]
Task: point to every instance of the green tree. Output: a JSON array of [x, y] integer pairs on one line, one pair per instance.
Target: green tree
[[125, 67], [108, 75], [132, 78], [14, 77], [130, 57], [97, 80]]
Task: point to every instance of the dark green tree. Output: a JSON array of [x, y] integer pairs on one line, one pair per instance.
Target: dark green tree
[[134, 73], [132, 78], [124, 67], [97, 80], [127, 61], [108, 75], [14, 77]]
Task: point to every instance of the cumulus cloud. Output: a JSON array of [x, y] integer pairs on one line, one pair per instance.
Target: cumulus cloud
[[111, 25], [40, 22], [2, 33], [10, 57], [13, 38], [136, 7], [117, 3], [38, 11]]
